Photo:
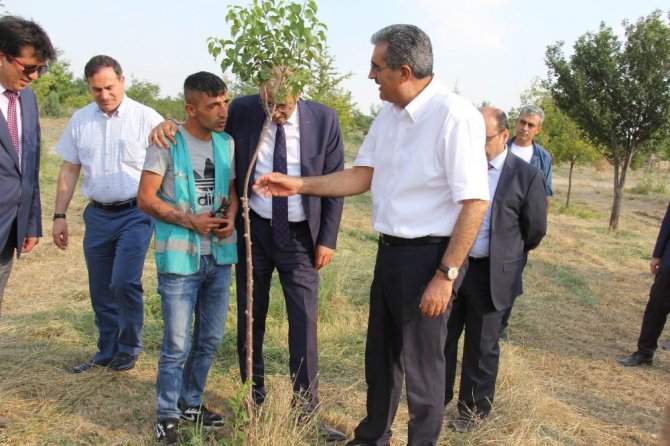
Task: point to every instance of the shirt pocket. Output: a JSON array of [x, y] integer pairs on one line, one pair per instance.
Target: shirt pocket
[[132, 153]]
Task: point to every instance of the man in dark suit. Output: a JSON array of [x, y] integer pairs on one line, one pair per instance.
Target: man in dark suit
[[658, 307], [515, 222], [24, 51], [308, 135]]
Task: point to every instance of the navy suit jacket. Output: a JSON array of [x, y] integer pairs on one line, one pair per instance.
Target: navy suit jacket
[[20, 203], [321, 152], [661, 250], [518, 224]]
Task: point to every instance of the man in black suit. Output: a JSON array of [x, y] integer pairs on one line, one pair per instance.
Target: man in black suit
[[658, 307], [515, 223], [309, 134]]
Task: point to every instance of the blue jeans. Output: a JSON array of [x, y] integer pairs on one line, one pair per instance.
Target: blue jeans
[[184, 363]]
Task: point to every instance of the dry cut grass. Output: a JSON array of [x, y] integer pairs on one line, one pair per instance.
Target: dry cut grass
[[559, 383]]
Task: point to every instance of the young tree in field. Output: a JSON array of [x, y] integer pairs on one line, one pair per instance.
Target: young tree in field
[[617, 92], [270, 40]]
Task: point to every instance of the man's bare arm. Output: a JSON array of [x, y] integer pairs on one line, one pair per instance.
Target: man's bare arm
[[147, 200], [67, 183], [435, 299], [352, 181]]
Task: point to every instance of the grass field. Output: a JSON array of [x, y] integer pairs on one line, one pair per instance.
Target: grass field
[[559, 383]]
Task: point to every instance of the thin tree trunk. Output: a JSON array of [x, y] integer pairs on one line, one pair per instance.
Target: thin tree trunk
[[620, 172], [572, 166], [250, 268]]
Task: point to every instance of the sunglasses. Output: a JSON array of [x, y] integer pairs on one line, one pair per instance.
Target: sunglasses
[[29, 69]]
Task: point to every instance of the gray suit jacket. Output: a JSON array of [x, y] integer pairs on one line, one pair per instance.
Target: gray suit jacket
[[518, 224], [20, 187]]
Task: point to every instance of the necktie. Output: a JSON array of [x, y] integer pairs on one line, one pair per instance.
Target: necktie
[[12, 122], [280, 204]]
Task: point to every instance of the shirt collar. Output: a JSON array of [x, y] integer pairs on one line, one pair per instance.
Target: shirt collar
[[417, 105], [120, 110], [3, 89], [499, 160]]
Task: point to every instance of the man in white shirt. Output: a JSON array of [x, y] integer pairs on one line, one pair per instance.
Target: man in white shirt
[[423, 160], [107, 139]]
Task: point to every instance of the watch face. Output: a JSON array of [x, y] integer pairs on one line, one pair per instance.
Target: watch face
[[452, 273]]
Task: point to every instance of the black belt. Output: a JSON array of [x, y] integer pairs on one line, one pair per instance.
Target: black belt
[[477, 259], [385, 239], [115, 206], [291, 224]]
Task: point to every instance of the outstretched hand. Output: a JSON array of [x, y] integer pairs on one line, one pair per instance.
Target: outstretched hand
[[277, 185]]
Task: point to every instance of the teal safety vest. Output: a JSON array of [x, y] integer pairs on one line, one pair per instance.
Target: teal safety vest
[[177, 249]]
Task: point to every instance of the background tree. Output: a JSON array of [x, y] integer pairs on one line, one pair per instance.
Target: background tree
[[617, 92], [58, 92], [269, 40], [560, 135], [326, 88]]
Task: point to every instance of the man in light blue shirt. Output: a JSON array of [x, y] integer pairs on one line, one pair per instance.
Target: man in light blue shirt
[[107, 139]]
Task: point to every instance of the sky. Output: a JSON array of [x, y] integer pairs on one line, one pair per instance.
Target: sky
[[489, 50]]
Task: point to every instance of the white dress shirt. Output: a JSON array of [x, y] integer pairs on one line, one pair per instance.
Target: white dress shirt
[[481, 246], [110, 149], [4, 107], [263, 205], [426, 158]]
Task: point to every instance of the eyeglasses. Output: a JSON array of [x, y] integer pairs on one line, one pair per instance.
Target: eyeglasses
[[377, 69], [29, 69], [489, 138]]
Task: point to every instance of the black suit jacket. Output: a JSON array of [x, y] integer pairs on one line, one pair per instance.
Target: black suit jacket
[[661, 250], [20, 201], [321, 152], [518, 224]]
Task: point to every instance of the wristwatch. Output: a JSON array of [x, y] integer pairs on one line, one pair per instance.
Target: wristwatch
[[449, 272]]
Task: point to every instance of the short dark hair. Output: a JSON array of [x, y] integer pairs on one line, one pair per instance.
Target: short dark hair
[[502, 123], [407, 45], [204, 82], [101, 61], [16, 33]]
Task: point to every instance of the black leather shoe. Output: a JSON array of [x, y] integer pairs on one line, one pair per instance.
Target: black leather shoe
[[463, 426], [330, 434], [123, 361], [85, 367], [634, 360]]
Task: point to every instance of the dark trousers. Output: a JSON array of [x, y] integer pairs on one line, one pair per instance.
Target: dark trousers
[[115, 247], [402, 343], [473, 309], [656, 313], [294, 262]]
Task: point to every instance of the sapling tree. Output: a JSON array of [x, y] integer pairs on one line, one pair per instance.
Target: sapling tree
[[275, 45]]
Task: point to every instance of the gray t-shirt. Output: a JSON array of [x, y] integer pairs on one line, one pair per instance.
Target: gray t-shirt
[[159, 161]]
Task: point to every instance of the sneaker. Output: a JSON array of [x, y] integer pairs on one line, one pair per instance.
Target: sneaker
[[200, 414], [167, 431]]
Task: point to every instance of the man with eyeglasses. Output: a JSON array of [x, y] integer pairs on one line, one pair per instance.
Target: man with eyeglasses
[[423, 161], [107, 140], [25, 50], [528, 125], [305, 138], [515, 222]]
